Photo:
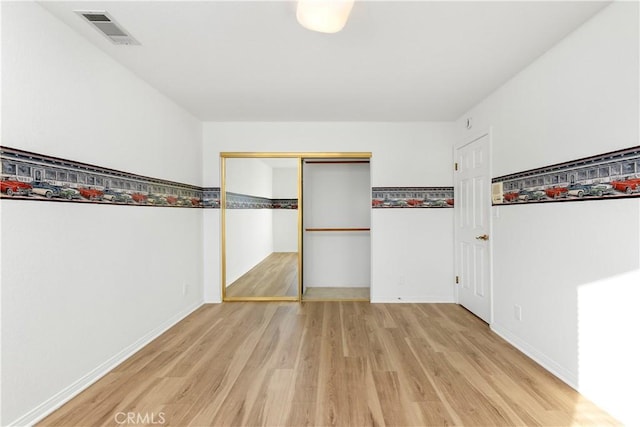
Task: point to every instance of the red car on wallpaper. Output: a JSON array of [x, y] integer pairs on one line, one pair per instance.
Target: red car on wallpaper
[[627, 186], [91, 193], [139, 198], [449, 202], [172, 200], [511, 197], [11, 187], [556, 192], [195, 201], [415, 202]]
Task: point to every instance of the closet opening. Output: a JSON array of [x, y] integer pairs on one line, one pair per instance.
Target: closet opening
[[336, 229]]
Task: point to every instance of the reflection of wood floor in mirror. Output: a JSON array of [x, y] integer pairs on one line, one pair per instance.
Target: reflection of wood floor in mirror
[[335, 294], [275, 276]]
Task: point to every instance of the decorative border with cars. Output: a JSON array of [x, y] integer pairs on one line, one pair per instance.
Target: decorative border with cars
[[32, 176], [211, 197], [605, 176], [412, 197], [245, 201]]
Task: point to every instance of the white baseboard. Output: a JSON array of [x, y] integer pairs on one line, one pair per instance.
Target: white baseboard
[[68, 393], [540, 358], [413, 300]]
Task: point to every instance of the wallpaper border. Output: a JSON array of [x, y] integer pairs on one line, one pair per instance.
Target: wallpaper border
[[32, 176], [611, 175], [38, 177], [411, 197], [246, 201]]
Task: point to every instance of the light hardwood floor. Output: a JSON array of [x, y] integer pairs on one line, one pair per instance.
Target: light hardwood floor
[[275, 276], [331, 363]]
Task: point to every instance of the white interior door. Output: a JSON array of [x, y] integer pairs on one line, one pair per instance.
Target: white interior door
[[473, 209]]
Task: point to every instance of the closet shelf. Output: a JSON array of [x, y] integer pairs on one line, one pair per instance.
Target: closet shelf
[[337, 229]]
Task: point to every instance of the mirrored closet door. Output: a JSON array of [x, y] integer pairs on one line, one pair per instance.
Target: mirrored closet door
[[260, 228]]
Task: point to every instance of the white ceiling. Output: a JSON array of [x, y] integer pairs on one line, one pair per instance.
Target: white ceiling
[[394, 61]]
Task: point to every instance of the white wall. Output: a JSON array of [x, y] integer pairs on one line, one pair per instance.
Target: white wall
[[249, 176], [285, 182], [211, 259], [84, 285], [404, 154], [1, 418], [574, 268], [426, 239], [249, 232], [285, 221]]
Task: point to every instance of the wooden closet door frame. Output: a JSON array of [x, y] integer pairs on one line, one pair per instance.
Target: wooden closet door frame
[[223, 203]]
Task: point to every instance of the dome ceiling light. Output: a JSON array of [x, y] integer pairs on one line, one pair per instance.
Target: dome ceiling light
[[324, 16]]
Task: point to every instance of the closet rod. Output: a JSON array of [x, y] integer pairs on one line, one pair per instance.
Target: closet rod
[[337, 229]]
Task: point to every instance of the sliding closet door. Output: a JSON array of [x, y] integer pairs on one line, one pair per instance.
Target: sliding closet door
[[260, 224], [336, 221]]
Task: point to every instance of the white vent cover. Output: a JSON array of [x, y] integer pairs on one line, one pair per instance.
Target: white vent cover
[[107, 26]]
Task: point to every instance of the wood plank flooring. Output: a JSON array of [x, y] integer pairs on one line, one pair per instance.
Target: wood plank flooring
[[331, 363], [275, 276]]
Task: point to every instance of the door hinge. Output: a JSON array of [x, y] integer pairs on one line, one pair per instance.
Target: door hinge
[[457, 279], [455, 166]]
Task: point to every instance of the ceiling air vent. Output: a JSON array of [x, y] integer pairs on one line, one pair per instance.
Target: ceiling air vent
[[107, 26]]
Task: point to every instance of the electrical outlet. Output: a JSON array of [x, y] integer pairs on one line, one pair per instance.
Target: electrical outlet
[[517, 312]]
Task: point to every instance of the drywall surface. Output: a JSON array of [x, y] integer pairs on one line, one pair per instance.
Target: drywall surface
[[248, 176], [249, 235], [285, 221], [572, 267], [426, 240], [85, 285], [0, 236], [285, 182], [285, 230], [577, 100], [404, 154], [211, 257]]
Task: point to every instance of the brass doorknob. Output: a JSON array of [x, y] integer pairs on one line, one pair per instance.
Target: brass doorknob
[[483, 237]]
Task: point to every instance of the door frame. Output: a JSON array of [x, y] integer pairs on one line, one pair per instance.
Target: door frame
[[470, 138], [223, 203]]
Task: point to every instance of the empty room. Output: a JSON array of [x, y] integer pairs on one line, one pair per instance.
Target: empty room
[[316, 212]]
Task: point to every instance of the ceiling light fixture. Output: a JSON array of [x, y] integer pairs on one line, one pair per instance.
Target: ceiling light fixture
[[324, 16]]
